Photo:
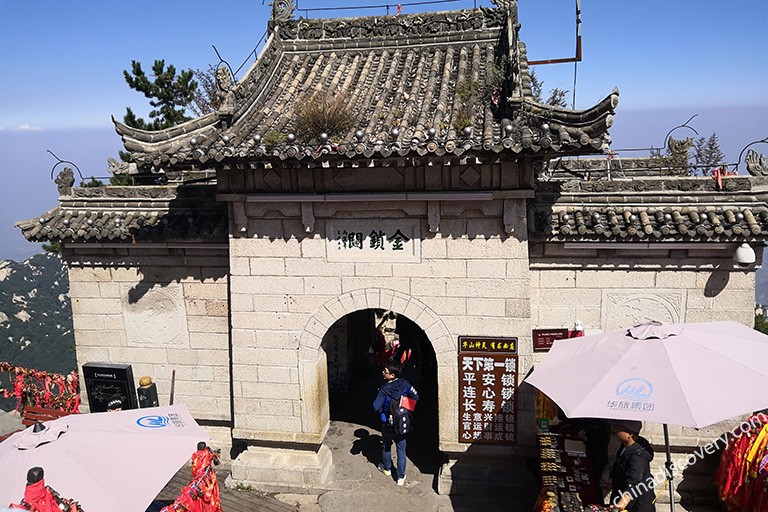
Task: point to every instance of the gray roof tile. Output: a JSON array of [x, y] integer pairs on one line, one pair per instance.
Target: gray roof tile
[[157, 214], [422, 84]]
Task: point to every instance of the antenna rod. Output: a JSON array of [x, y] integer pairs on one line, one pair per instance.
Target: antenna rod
[[578, 51], [577, 58]]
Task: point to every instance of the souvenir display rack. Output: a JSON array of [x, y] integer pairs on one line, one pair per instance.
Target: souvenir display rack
[[566, 475]]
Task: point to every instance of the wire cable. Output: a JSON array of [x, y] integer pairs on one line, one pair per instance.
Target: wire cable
[[378, 6]]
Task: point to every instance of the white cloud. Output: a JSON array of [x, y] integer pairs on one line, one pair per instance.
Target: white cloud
[[27, 128]]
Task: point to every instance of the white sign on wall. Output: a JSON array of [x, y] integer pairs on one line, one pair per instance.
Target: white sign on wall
[[374, 241]]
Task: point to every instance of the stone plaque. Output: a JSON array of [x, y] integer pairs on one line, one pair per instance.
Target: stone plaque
[[373, 241], [625, 308], [158, 318]]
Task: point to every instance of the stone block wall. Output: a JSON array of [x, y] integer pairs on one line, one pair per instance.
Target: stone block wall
[[286, 294], [158, 309], [610, 289], [613, 289]]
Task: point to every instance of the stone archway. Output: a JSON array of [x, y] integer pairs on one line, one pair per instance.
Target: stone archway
[[313, 378]]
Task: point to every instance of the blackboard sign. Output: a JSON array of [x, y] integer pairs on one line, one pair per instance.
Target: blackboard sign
[[106, 381]]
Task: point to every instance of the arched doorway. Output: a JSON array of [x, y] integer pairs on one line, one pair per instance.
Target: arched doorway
[[354, 376]]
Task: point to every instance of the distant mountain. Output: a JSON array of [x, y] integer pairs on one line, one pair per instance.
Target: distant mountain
[[36, 314]]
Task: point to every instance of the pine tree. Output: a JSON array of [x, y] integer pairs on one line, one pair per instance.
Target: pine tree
[[169, 94], [556, 96], [707, 155]]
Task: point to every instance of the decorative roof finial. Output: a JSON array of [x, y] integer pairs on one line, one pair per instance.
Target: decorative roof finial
[[225, 85], [64, 181], [757, 165], [282, 10], [507, 5]]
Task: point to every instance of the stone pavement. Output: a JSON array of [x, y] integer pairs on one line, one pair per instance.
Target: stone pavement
[[356, 485], [9, 422]]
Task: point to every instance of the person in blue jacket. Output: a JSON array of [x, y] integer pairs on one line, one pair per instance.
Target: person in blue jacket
[[393, 388]]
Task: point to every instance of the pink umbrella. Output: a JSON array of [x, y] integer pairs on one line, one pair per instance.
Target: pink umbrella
[[111, 461], [682, 374]]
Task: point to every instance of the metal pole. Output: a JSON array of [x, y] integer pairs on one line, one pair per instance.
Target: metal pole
[[669, 470], [173, 385]]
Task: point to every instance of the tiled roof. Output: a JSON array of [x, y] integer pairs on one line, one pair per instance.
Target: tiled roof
[[131, 214], [418, 85], [652, 223], [647, 208]]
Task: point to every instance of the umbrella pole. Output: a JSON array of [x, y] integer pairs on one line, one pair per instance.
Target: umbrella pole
[[669, 470]]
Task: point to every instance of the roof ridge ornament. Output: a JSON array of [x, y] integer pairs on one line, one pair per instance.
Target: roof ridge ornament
[[510, 9], [282, 10], [757, 164], [508, 5], [225, 85]]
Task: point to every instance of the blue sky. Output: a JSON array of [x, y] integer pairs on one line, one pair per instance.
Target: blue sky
[[61, 69]]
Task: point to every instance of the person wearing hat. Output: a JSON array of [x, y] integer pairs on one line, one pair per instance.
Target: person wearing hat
[[631, 480], [115, 404]]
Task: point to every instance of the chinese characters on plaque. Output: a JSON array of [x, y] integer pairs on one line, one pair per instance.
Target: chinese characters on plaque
[[487, 390], [374, 240]]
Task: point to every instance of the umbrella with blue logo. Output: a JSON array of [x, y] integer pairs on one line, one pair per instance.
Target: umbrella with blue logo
[[680, 374], [111, 461]]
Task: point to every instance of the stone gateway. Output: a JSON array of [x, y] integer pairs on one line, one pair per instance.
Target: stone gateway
[[256, 262]]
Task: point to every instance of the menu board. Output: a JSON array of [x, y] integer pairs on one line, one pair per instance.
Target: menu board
[[488, 390]]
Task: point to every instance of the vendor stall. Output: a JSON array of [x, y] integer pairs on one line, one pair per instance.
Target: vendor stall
[[566, 474], [566, 471]]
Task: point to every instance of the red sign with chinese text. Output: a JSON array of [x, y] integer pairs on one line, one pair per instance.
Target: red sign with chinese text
[[544, 338]]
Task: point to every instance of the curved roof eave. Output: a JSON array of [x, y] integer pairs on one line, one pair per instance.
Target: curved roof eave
[[421, 114]]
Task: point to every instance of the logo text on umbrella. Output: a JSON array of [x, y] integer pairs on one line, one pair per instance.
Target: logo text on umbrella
[[635, 389], [153, 421]]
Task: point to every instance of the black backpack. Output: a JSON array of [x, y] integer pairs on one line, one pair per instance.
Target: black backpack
[[401, 418]]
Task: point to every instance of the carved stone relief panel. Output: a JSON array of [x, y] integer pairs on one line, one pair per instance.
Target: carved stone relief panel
[[156, 318], [625, 308]]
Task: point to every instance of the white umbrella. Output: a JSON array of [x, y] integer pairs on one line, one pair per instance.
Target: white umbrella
[[112, 461], [682, 374]]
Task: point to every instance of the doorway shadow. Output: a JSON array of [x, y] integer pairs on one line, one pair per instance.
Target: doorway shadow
[[354, 405]]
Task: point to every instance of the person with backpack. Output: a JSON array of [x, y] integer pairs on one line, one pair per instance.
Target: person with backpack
[[395, 418]]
